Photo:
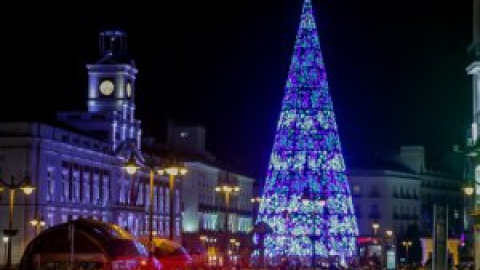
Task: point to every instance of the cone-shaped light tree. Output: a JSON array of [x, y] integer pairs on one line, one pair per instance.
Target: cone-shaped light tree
[[306, 199]]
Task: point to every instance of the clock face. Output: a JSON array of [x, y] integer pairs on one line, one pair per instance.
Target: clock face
[[129, 89], [106, 87]]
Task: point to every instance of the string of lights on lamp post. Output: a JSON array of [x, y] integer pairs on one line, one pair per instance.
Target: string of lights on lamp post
[[227, 190], [207, 243], [407, 244], [171, 169], [38, 223], [27, 187], [375, 227]]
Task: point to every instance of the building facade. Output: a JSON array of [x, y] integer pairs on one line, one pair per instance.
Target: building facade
[[212, 219], [473, 149], [76, 163], [399, 191], [387, 198]]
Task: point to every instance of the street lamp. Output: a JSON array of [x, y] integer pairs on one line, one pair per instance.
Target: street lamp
[[407, 244], [234, 247], [173, 169], [203, 239], [389, 244], [256, 200], [375, 227], [227, 190], [38, 223], [131, 166], [256, 205], [468, 190], [27, 187]]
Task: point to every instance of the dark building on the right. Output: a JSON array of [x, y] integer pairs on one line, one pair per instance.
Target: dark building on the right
[[472, 145]]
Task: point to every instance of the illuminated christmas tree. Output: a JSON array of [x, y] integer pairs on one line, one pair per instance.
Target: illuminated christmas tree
[[306, 197]]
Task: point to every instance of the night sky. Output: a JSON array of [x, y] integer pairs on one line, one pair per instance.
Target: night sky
[[396, 69]]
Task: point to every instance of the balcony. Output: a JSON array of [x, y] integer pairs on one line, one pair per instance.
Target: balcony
[[127, 206]]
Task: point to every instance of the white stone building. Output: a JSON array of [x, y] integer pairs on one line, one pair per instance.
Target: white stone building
[[76, 163], [399, 191], [205, 209]]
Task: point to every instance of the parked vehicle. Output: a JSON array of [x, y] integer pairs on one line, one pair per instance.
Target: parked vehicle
[[86, 244], [171, 254]]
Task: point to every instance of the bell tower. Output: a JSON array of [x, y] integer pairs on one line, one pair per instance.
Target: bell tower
[[110, 94], [111, 80]]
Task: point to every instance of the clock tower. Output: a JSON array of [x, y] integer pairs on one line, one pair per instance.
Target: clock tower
[[111, 94], [111, 80]]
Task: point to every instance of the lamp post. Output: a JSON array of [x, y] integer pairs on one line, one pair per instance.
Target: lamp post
[[320, 202], [38, 223], [468, 191], [256, 205], [235, 246], [388, 245], [375, 227], [256, 200], [203, 239], [227, 190], [5, 240], [407, 244], [172, 170], [27, 187]]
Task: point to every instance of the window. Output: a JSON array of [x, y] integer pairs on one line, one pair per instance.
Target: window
[[374, 192], [177, 201], [50, 219], [76, 187], [50, 195], [96, 189], [167, 202], [161, 198], [86, 187], [65, 187], [105, 189]]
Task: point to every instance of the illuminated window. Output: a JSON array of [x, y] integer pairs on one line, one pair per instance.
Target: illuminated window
[[96, 189], [65, 187], [50, 196], [105, 189], [184, 134], [86, 186]]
